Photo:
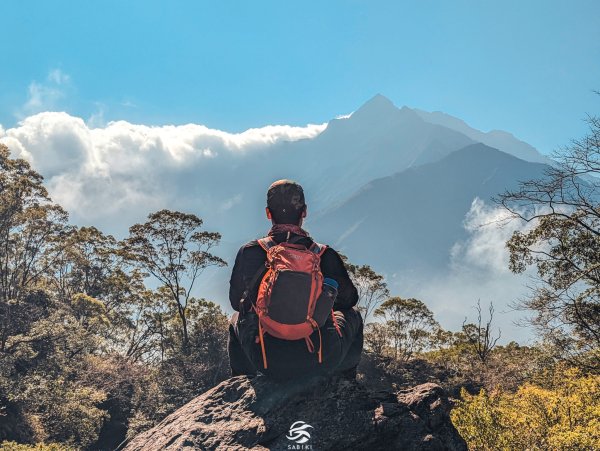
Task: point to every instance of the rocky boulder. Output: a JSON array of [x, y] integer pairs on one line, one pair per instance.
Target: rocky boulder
[[317, 414]]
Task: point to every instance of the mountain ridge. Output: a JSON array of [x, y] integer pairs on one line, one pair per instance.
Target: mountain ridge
[[474, 171], [499, 139]]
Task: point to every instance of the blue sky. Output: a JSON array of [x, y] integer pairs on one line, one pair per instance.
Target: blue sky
[[526, 67]]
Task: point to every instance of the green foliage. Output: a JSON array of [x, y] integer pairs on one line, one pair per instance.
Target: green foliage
[[479, 421], [86, 349], [563, 245], [68, 411], [408, 326], [376, 338], [31, 227], [372, 288], [506, 368], [563, 415], [172, 248]]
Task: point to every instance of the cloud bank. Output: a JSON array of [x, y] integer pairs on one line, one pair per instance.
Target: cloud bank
[[481, 257], [96, 172]]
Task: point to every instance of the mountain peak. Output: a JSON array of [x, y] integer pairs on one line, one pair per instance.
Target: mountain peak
[[380, 109], [378, 104]]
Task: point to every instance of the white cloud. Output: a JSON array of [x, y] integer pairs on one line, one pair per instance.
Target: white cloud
[[231, 202], [96, 119], [481, 257], [128, 104], [129, 169], [58, 77], [489, 227], [47, 95]]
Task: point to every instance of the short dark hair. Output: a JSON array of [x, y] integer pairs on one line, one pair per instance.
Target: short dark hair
[[285, 201]]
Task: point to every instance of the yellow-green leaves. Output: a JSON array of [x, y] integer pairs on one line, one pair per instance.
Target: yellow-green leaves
[[565, 415]]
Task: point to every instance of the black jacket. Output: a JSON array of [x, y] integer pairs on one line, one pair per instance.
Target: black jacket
[[251, 257]]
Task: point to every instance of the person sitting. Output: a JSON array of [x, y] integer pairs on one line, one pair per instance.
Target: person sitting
[[263, 334]]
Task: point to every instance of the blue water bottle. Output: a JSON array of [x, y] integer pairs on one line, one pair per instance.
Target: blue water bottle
[[330, 286], [325, 301]]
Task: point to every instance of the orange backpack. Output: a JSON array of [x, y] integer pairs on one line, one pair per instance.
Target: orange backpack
[[291, 302]]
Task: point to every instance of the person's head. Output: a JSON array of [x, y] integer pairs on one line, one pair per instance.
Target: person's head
[[285, 202]]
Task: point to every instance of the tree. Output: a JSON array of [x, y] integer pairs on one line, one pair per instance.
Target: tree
[[209, 334], [88, 263], [409, 323], [371, 287], [31, 229], [146, 335], [376, 338], [563, 244], [83, 342], [479, 336], [172, 248]]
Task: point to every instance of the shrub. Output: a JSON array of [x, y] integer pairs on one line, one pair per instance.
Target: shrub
[[563, 415]]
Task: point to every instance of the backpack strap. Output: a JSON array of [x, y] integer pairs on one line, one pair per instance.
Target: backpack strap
[[296, 239], [262, 344], [318, 248], [257, 275], [267, 243]]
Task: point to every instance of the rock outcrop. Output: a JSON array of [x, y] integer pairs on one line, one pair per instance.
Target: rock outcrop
[[336, 414]]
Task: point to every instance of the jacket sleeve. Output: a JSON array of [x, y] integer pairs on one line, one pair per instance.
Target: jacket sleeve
[[236, 283], [333, 267]]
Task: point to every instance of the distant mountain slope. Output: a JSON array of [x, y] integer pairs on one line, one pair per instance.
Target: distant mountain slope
[[376, 140], [498, 139], [409, 221]]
